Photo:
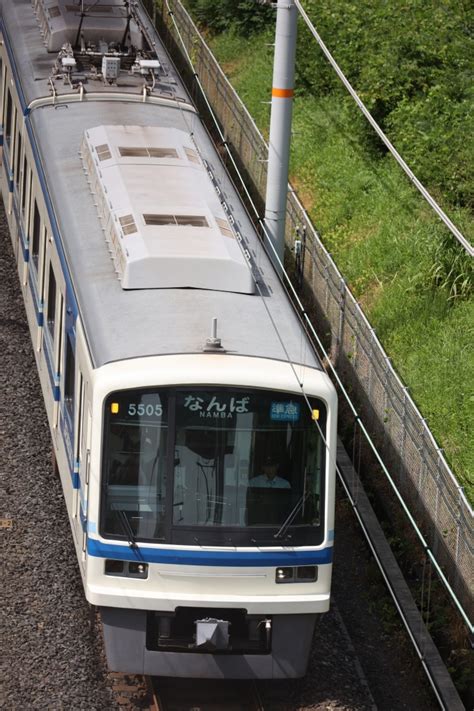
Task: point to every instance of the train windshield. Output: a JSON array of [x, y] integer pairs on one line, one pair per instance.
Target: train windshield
[[213, 466]]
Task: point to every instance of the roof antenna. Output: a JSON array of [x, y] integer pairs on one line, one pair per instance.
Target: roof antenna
[[213, 344]]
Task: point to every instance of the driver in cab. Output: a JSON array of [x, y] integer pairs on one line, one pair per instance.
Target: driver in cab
[[269, 479]]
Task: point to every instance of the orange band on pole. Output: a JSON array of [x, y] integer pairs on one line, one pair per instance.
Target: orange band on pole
[[283, 93]]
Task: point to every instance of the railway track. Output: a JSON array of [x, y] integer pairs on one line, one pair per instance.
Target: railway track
[[204, 695]]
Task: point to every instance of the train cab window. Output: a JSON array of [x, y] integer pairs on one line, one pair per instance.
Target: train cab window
[[51, 306], [35, 240], [135, 462], [242, 466]]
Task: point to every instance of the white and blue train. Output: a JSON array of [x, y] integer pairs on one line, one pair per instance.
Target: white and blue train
[[193, 426]]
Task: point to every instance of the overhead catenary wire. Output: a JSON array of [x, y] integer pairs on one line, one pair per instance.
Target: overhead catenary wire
[[285, 278], [420, 187]]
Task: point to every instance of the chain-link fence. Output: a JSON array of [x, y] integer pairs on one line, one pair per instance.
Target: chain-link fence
[[407, 446]]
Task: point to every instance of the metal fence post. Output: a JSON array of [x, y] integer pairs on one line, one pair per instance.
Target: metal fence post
[[435, 527], [421, 475], [458, 527], [385, 414], [404, 434], [342, 313]]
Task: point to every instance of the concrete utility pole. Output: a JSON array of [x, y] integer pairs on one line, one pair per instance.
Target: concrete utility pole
[[280, 123]]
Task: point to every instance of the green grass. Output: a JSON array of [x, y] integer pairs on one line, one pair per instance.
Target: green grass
[[387, 243]]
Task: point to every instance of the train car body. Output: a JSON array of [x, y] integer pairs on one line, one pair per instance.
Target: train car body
[[197, 462]]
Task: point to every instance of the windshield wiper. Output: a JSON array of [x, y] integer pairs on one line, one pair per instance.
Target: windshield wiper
[[126, 527], [291, 516]]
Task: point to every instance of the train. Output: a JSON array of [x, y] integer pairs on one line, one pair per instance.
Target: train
[[193, 426]]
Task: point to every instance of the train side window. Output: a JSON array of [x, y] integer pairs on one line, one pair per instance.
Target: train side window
[[69, 374], [18, 159], [42, 262], [2, 85], [51, 306], [60, 334], [80, 417], [85, 424], [35, 242], [4, 95], [24, 184], [10, 128], [8, 117]]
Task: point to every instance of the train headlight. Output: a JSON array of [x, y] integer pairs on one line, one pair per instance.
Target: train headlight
[[138, 570], [126, 570], [301, 574], [284, 575]]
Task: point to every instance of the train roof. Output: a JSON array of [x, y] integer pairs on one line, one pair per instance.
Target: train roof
[[124, 316]]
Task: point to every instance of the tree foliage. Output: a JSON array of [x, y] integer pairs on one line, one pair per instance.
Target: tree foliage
[[412, 64], [243, 16]]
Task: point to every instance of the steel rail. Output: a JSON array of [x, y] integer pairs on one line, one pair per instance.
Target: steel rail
[[431, 674]]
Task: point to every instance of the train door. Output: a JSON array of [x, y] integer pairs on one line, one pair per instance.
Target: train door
[[10, 141], [68, 404], [84, 474], [35, 271], [76, 508], [69, 394], [52, 335], [82, 435]]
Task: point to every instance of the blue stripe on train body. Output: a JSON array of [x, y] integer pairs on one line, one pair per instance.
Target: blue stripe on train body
[[227, 559]]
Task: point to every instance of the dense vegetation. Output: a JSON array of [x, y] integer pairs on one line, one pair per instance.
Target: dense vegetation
[[412, 68], [412, 64], [242, 16]]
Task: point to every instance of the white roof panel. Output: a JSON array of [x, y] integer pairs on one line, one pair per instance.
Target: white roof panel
[[161, 215]]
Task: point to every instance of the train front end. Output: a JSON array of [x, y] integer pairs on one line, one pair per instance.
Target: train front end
[[210, 515]]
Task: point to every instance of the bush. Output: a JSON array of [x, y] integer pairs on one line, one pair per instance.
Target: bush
[[245, 17], [411, 63], [432, 132]]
